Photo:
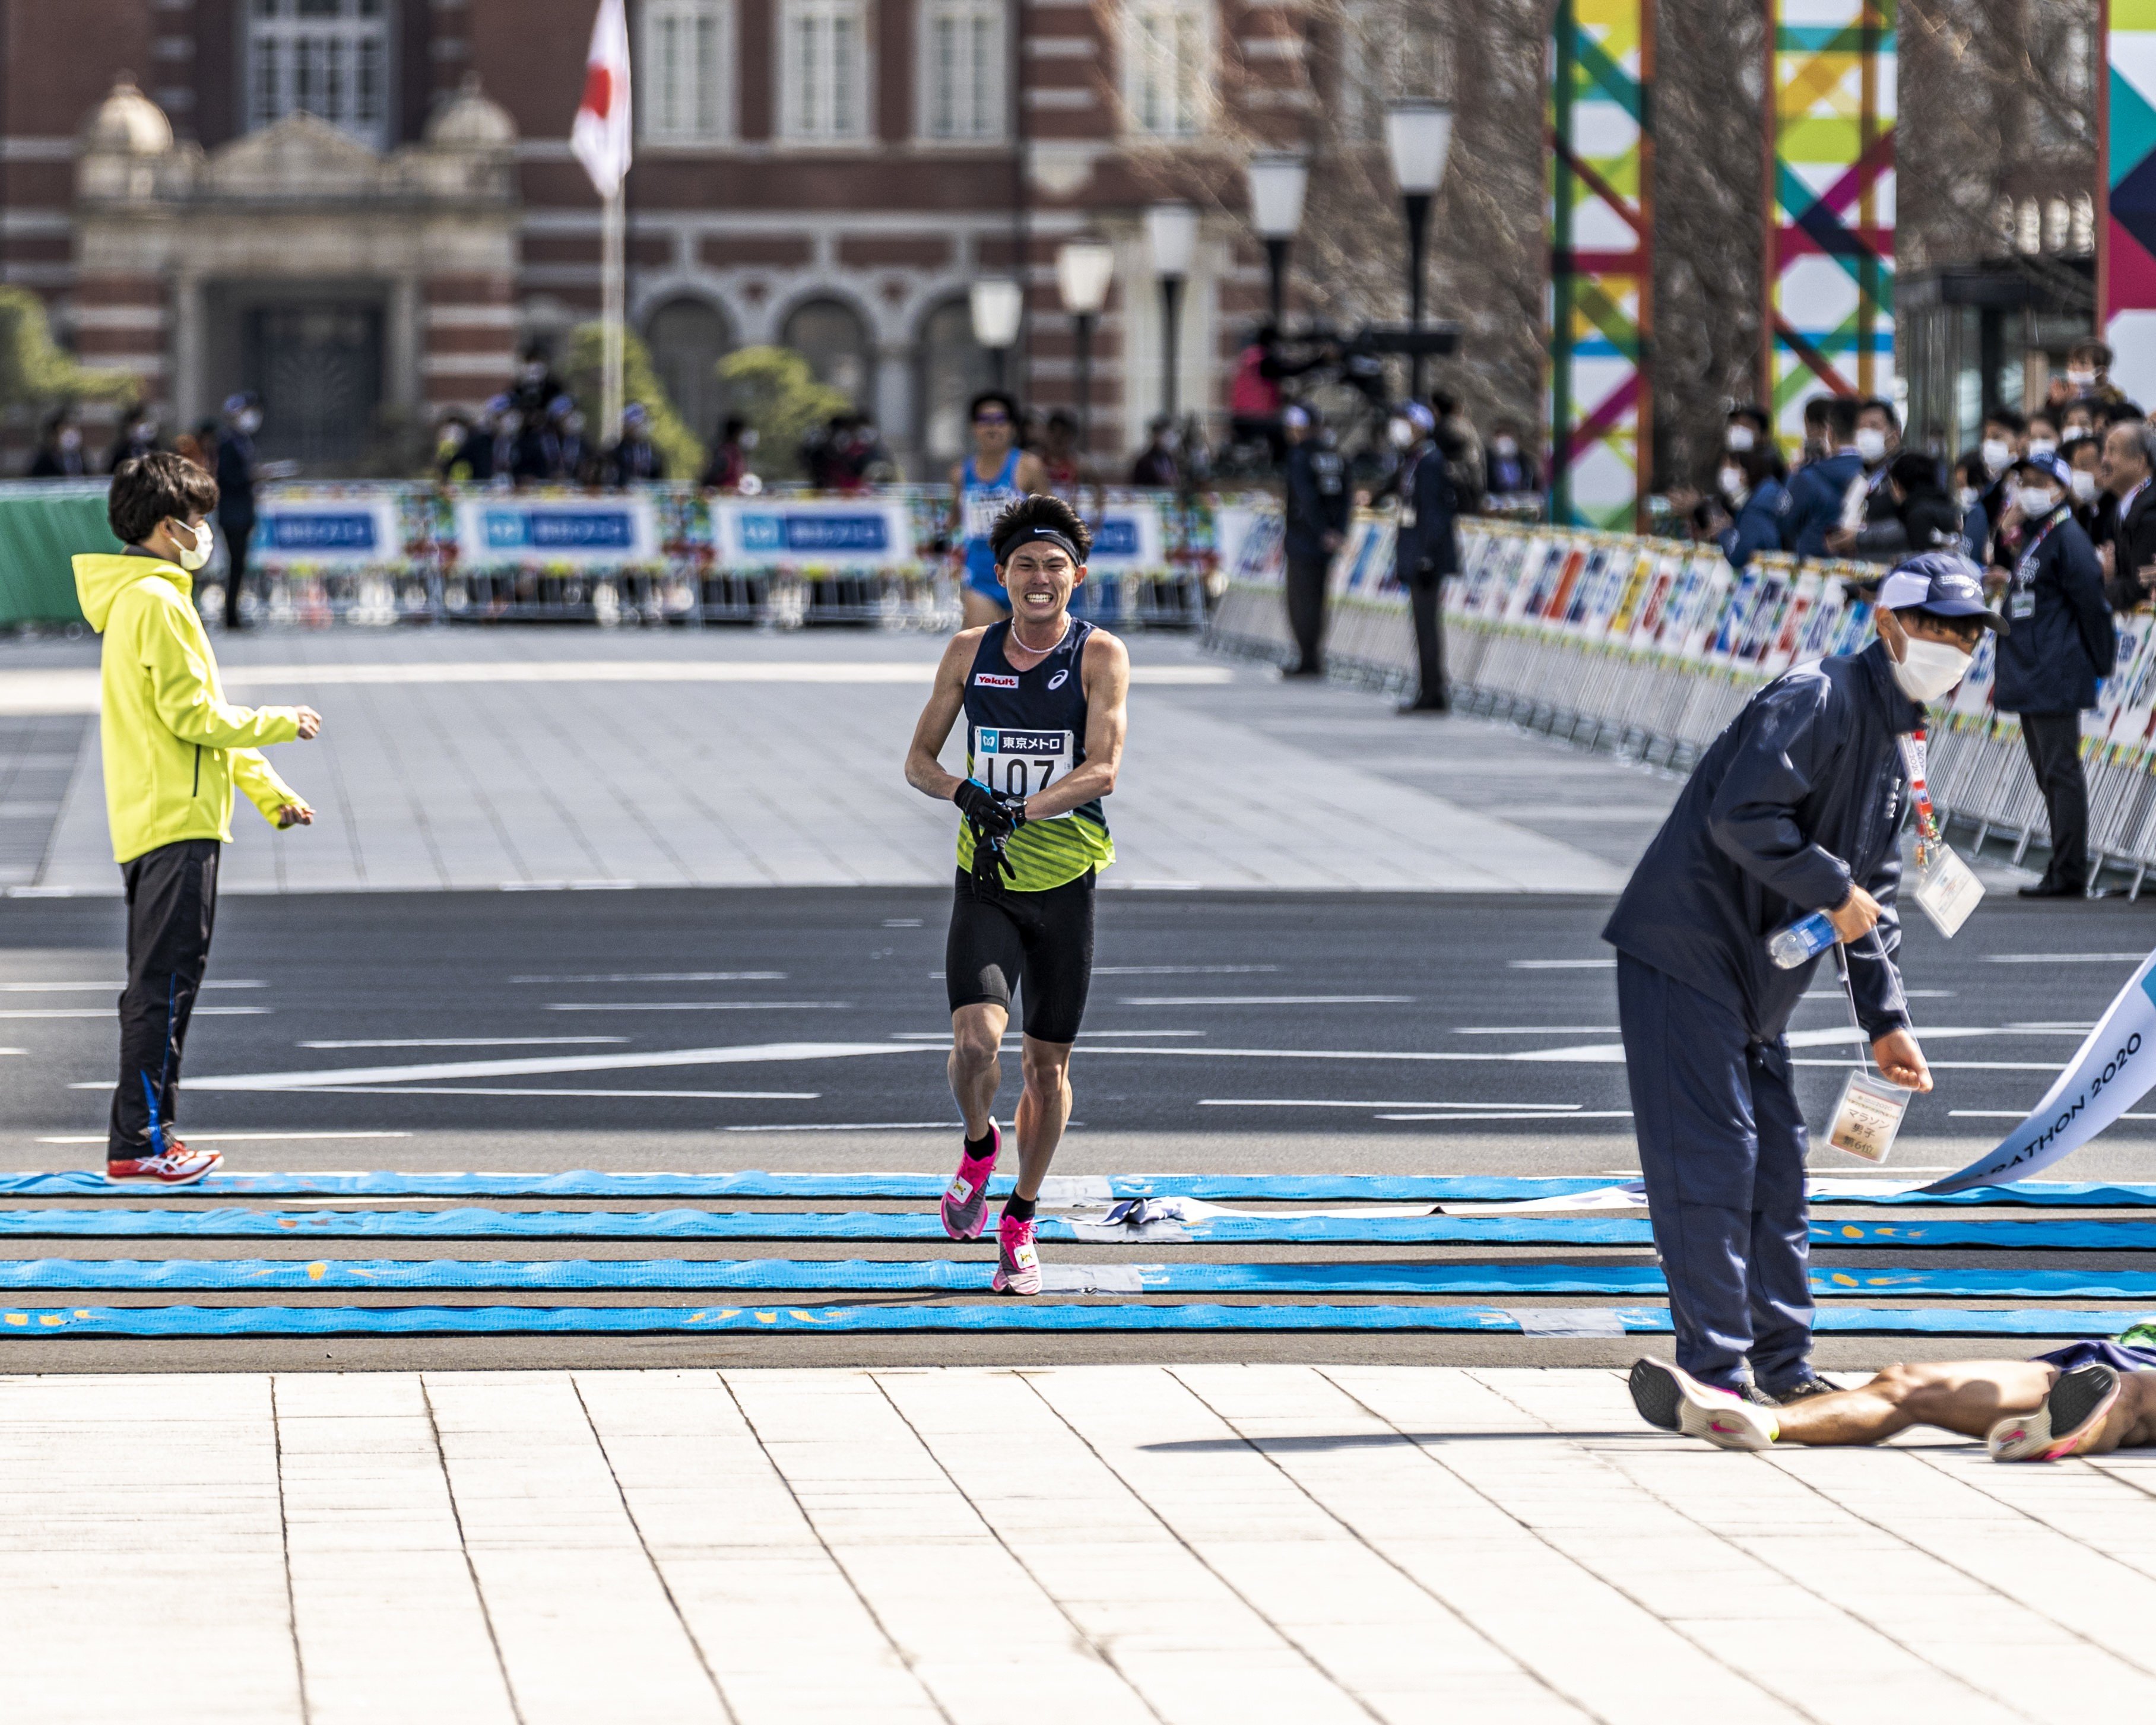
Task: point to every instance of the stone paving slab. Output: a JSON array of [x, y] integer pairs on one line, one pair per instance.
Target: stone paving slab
[[1290, 1542]]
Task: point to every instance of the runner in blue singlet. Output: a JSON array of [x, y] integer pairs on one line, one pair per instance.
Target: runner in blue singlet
[[985, 484]]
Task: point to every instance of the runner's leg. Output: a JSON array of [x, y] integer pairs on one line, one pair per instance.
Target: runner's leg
[[1968, 1397], [1043, 1111], [977, 1036], [984, 955]]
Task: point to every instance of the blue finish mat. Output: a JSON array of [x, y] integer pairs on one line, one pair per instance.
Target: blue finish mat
[[856, 1275], [474, 1224], [1011, 1314], [754, 1184]]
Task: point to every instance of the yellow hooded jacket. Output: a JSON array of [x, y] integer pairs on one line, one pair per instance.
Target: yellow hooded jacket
[[174, 747]]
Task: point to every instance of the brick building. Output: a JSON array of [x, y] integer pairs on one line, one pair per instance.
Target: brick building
[[362, 208]]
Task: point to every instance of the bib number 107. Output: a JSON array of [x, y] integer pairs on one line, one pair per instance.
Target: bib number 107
[[1020, 764]]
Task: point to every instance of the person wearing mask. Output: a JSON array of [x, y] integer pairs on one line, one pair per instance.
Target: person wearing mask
[[2092, 507], [1426, 546], [1818, 437], [236, 477], [1923, 517], [1972, 480], [138, 436], [2042, 438], [1512, 472], [536, 385], [1749, 427], [1156, 465], [1870, 524], [60, 449], [1317, 507], [1758, 505], [1797, 808], [2088, 372], [2058, 642], [1461, 445], [1817, 490], [2077, 418], [730, 450], [2128, 554], [635, 459], [2005, 440]]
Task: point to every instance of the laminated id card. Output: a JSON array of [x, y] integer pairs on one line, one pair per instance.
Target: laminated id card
[[1867, 1116], [1947, 890]]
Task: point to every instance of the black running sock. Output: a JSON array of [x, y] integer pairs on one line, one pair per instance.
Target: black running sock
[[976, 1148], [1021, 1208]]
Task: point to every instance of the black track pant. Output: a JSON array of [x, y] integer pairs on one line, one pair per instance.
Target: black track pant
[[1305, 609], [235, 533], [171, 903], [2054, 743], [1424, 593]]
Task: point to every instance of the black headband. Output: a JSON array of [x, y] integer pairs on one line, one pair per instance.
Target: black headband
[[1038, 535]]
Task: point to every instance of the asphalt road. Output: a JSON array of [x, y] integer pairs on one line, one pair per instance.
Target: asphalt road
[[1228, 1032]]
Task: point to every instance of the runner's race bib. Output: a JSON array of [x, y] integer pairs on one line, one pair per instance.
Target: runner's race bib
[[981, 508], [1020, 762]]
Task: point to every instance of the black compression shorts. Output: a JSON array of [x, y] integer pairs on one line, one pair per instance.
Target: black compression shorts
[[1039, 943]]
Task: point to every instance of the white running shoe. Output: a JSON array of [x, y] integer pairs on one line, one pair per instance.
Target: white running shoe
[[2067, 1423], [1676, 1401]]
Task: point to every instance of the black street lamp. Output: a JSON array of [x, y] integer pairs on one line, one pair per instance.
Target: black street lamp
[[1277, 184], [1418, 138], [1084, 268], [1171, 231]]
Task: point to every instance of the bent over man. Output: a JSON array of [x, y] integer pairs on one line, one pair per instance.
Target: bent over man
[[1043, 695]]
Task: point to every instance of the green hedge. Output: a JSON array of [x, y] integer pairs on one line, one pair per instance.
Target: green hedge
[[42, 524]]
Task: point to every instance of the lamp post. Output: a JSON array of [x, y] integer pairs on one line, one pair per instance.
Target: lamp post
[[997, 306], [1083, 270], [1278, 185], [1418, 138], [1171, 232]]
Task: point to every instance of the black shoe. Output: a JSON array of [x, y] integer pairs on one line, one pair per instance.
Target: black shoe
[[1757, 1397], [2051, 889], [1441, 705], [1803, 1389], [1303, 670]]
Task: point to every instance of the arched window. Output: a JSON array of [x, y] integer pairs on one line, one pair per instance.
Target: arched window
[[688, 338], [954, 368], [831, 335]]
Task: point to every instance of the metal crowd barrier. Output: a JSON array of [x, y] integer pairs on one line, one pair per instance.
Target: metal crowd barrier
[[1650, 647]]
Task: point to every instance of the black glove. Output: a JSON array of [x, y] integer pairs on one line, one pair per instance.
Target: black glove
[[1011, 806], [989, 812]]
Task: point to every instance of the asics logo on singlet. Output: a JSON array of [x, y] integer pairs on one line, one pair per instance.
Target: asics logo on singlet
[[989, 680], [1058, 681]]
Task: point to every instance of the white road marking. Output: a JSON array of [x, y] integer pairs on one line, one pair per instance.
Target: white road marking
[[105, 1012], [667, 976], [701, 1006], [2014, 1114], [1014, 1036], [1267, 999], [1541, 1029], [863, 1126], [452, 1090], [196, 1138], [1182, 969], [738, 1054], [2063, 958], [1562, 964], [1606, 1114], [1276, 1102], [101, 988], [464, 1042]]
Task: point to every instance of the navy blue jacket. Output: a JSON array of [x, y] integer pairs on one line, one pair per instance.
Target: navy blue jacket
[[1317, 501], [2062, 638], [1430, 545], [1759, 524], [235, 476], [1803, 794], [1815, 496]]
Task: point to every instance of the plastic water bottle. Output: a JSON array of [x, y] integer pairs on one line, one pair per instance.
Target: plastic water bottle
[[1803, 939]]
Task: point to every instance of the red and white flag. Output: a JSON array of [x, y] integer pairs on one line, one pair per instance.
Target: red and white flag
[[601, 136]]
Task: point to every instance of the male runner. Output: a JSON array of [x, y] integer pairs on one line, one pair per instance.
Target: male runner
[[1044, 696], [2086, 1398], [986, 483]]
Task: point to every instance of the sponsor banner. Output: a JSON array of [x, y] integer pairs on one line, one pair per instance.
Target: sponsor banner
[[325, 528], [839, 535], [2126, 190], [2109, 1073], [1127, 541], [540, 532]]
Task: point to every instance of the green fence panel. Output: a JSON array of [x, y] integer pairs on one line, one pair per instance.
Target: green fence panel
[[42, 524]]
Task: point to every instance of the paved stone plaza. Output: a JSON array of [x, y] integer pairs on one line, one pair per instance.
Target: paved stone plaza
[[1089, 1543]]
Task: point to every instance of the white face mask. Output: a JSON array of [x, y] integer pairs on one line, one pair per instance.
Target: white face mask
[[2043, 447], [1399, 434], [2082, 380], [1733, 482], [2036, 502], [1871, 442], [2084, 486], [1740, 439], [1929, 669], [70, 439], [250, 422], [1968, 497], [193, 556], [1505, 446], [1996, 454]]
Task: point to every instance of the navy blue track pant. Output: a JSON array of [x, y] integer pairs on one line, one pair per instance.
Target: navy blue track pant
[[172, 906], [1723, 1146]]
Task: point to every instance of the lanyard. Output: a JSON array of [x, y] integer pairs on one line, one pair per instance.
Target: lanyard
[[1913, 746], [2021, 566]]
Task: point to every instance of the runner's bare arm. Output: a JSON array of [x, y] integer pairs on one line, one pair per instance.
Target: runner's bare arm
[[1106, 673], [957, 534], [1031, 474], [923, 771]]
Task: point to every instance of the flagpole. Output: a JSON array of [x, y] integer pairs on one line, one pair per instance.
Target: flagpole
[[613, 277]]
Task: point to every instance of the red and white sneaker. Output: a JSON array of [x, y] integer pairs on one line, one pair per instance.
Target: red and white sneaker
[[1018, 1260], [176, 1165], [965, 1206]]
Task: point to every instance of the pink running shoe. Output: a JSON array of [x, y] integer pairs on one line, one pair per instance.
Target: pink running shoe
[[965, 1200], [176, 1165], [1018, 1261]]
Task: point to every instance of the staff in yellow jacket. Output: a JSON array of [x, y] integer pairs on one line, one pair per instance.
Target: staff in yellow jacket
[[174, 749]]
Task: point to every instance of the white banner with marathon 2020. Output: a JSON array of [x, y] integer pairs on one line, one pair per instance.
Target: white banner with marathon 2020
[[2109, 1073]]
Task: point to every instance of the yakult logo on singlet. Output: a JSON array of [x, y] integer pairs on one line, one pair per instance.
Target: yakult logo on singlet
[[1058, 679], [989, 680]]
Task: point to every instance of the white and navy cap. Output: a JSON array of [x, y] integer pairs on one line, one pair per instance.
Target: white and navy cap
[[2052, 467], [1944, 582]]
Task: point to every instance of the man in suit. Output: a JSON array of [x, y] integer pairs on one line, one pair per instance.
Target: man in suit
[[1427, 549], [2128, 549]]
